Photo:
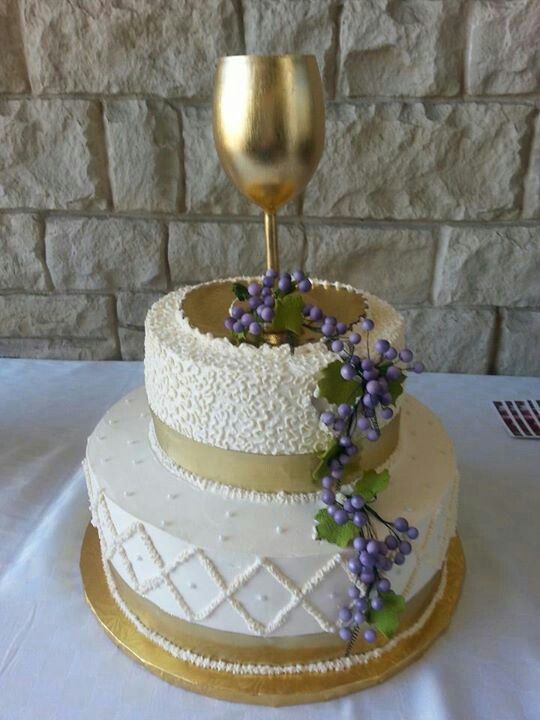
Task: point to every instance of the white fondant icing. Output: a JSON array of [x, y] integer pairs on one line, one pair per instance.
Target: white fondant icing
[[243, 398], [336, 665], [291, 569]]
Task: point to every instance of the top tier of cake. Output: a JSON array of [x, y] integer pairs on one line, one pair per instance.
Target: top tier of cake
[[243, 398]]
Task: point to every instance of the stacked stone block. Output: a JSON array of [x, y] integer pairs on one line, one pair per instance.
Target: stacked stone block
[[428, 194]]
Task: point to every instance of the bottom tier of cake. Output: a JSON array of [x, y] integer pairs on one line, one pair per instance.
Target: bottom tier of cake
[[233, 582], [261, 684]]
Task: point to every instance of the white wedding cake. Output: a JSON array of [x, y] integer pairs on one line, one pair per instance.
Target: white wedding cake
[[218, 543]]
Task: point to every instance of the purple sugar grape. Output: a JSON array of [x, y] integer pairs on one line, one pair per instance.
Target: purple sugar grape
[[328, 497], [345, 634], [401, 524], [354, 338], [344, 614], [359, 543], [347, 372], [372, 547], [373, 387], [370, 635], [391, 542], [337, 346], [363, 423], [344, 410], [254, 288], [315, 313], [327, 417], [405, 355], [237, 312], [377, 603], [229, 323], [405, 547], [255, 328], [359, 617], [267, 314], [304, 285], [298, 275], [393, 373], [412, 533], [367, 324], [362, 604], [358, 502], [381, 346], [373, 435], [341, 328], [359, 519], [284, 284], [327, 482], [340, 517], [387, 413], [238, 327]]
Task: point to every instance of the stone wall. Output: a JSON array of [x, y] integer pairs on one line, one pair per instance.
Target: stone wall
[[428, 193]]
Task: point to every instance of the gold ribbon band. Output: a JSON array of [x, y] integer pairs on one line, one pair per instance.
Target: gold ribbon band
[[263, 473], [239, 647]]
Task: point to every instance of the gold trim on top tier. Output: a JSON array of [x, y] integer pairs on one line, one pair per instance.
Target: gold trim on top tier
[[276, 690], [206, 307], [261, 472]]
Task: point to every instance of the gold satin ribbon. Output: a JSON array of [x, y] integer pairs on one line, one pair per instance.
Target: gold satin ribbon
[[263, 473], [239, 647]]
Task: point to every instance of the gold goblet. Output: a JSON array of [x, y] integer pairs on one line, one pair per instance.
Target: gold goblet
[[268, 120]]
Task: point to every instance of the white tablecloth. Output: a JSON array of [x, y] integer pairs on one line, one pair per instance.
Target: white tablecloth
[[56, 662]]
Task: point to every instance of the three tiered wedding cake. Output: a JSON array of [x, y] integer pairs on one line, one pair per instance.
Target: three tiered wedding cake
[[219, 544]]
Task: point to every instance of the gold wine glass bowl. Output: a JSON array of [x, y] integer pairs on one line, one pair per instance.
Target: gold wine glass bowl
[[268, 119]]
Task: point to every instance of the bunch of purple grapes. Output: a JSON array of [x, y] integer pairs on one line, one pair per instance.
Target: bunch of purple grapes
[[372, 558], [261, 301], [373, 374]]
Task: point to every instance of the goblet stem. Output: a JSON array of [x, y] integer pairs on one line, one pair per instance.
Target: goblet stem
[[272, 248]]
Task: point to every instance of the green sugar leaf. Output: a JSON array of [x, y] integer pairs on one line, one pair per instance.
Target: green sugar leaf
[[371, 484], [386, 620], [325, 458], [327, 529], [289, 313], [335, 388], [395, 388], [240, 291]]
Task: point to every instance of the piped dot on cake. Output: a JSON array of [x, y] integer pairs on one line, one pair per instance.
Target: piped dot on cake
[[229, 514], [279, 530], [262, 598], [102, 437], [128, 493], [132, 442], [165, 523], [172, 496], [112, 421], [192, 585], [222, 538], [105, 460], [137, 461]]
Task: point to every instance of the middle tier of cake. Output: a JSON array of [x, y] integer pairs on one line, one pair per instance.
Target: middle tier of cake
[[243, 561]]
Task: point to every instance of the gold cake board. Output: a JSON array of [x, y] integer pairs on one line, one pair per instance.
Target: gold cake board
[[279, 690]]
